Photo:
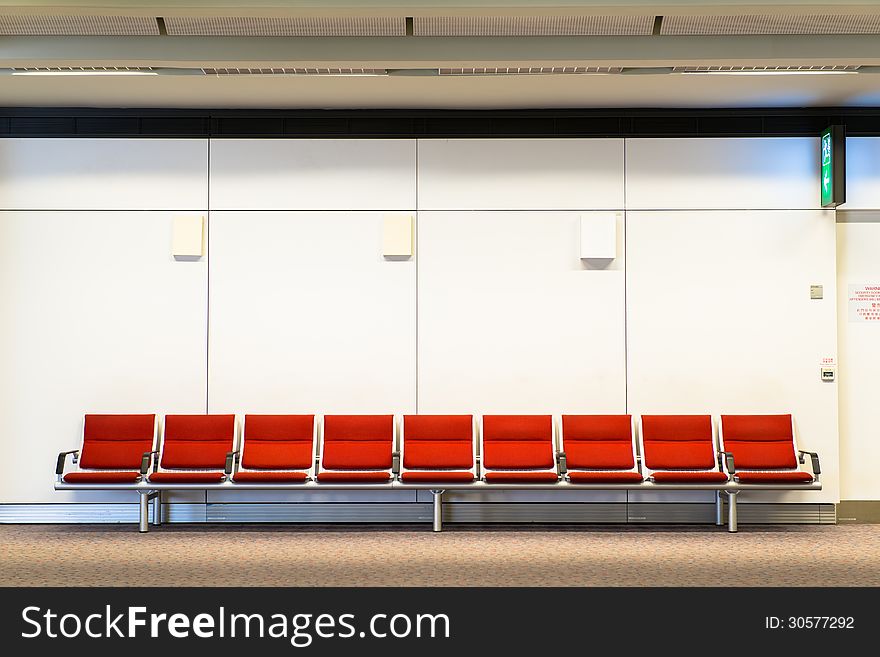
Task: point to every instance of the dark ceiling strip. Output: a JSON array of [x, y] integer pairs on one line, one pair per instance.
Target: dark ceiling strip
[[785, 122]]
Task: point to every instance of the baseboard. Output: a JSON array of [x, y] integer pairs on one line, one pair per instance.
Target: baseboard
[[417, 512], [858, 512]]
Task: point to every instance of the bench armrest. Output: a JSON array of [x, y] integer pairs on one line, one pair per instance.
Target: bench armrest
[[477, 472], [814, 461], [59, 465], [562, 460], [232, 457], [145, 461], [395, 463], [728, 462]]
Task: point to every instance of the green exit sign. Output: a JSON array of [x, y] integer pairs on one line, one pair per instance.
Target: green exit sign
[[833, 172]]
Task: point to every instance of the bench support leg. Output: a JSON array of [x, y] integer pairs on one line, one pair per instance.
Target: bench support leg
[[731, 512], [719, 509], [144, 516], [438, 510], [157, 508]]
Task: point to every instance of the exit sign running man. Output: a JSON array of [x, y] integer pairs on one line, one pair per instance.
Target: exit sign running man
[[833, 173]]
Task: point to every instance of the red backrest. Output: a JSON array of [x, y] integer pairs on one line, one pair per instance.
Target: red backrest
[[518, 442], [678, 442], [759, 442], [438, 441], [358, 442], [278, 442], [116, 442], [598, 441], [197, 441]]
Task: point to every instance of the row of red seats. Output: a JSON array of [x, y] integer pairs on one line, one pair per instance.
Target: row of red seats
[[203, 450]]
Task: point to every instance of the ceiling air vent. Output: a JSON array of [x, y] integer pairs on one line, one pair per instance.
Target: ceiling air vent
[[78, 26], [294, 71], [85, 70], [290, 26], [533, 70], [771, 24], [445, 26], [765, 69]]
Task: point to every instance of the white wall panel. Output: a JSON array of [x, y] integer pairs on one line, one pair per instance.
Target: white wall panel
[[511, 320], [704, 174], [862, 173], [720, 320], [858, 264], [307, 316], [313, 174], [103, 174], [95, 316], [520, 174]]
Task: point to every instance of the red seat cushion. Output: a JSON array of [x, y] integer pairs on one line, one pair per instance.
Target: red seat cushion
[[674, 442], [759, 441], [102, 477], [438, 441], [116, 442], [283, 442], [269, 476], [598, 441], [518, 441], [671, 477], [187, 477], [789, 477], [442, 475], [617, 477], [525, 477], [197, 441], [354, 476], [358, 442]]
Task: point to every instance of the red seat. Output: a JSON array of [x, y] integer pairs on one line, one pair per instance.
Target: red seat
[[680, 449], [354, 476], [763, 449], [102, 477], [604, 477], [357, 448], [523, 477], [438, 448], [112, 448], [518, 448], [777, 477], [599, 448], [689, 477], [276, 448], [270, 476], [451, 476], [194, 449]]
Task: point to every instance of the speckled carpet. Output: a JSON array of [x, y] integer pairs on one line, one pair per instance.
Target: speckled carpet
[[464, 555]]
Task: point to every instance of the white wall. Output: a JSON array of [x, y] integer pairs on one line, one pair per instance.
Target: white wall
[[95, 314], [705, 309], [719, 315], [858, 245]]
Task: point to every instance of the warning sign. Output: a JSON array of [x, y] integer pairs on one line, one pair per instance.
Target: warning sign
[[864, 303]]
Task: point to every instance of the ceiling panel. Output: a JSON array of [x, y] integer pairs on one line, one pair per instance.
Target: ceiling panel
[[78, 25], [532, 25], [285, 26], [771, 24]]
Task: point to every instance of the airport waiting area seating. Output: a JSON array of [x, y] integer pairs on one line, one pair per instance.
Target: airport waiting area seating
[[439, 453]]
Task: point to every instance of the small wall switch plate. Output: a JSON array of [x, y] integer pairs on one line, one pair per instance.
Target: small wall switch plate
[[817, 292]]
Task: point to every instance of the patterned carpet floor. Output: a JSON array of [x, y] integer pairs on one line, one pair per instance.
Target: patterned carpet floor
[[370, 555]]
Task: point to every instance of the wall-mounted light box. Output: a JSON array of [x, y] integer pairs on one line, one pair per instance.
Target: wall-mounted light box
[[188, 236], [833, 166], [598, 239], [397, 236]]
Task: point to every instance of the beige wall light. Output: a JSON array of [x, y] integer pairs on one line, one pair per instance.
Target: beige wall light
[[397, 236], [188, 237]]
